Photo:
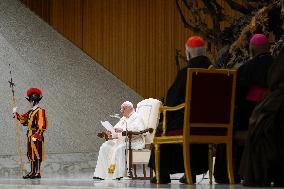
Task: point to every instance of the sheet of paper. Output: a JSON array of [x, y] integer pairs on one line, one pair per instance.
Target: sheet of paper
[[108, 126]]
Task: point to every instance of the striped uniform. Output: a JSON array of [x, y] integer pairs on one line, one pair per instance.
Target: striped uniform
[[36, 121]]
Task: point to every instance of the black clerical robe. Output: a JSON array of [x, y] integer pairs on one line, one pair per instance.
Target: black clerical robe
[[252, 73], [262, 160]]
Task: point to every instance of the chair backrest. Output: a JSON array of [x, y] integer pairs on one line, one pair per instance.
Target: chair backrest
[[148, 109], [210, 99]]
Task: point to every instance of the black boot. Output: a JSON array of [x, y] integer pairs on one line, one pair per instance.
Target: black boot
[[36, 174], [97, 178], [164, 179], [30, 173]]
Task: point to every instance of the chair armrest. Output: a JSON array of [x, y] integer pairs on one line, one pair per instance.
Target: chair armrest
[[164, 109], [172, 108], [150, 130], [131, 133]]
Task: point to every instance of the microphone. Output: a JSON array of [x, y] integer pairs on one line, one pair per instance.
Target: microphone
[[177, 59], [179, 55], [115, 116]]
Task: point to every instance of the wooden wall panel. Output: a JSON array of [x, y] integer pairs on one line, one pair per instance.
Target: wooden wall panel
[[46, 10], [36, 6], [159, 45], [92, 34], [72, 21], [131, 43], [142, 46], [56, 15], [152, 62], [66, 16], [40, 7], [170, 46], [69, 19], [24, 2], [135, 40], [107, 37]]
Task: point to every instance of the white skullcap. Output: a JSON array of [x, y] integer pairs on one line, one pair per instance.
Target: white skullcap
[[127, 104]]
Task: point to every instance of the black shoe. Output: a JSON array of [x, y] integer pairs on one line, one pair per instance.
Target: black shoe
[[237, 180], [251, 184], [97, 178], [163, 180], [27, 176], [221, 180], [184, 181], [35, 176], [278, 184]]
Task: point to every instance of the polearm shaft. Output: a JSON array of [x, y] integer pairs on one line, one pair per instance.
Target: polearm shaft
[[12, 85]]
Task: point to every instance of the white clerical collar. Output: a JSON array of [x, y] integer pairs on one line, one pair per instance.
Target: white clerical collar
[[35, 107]]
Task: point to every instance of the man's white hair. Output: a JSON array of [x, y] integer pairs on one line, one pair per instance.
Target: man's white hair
[[194, 52], [127, 104]]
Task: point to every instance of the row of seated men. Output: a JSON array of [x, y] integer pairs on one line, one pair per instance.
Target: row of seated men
[[255, 78]]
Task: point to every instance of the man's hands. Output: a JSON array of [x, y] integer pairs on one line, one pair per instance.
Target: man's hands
[[108, 134], [33, 139], [15, 110], [118, 130], [105, 134]]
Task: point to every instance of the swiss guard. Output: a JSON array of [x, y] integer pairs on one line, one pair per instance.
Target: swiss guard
[[36, 121]]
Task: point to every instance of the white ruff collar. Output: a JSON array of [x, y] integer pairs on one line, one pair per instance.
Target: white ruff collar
[[35, 107]]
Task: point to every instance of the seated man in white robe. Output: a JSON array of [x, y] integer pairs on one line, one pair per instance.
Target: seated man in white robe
[[112, 160]]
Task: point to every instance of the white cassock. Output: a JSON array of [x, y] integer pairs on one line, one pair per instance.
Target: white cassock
[[112, 152]]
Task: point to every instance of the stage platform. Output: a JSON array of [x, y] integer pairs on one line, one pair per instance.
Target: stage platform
[[86, 181]]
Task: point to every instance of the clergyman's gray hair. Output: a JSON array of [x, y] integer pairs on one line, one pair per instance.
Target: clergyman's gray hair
[[194, 52]]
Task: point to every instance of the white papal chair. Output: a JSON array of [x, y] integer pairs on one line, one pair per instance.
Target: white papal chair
[[148, 109]]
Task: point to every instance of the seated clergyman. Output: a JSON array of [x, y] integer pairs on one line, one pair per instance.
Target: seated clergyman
[[111, 160]]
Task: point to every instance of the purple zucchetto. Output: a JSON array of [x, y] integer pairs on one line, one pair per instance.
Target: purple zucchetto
[[259, 44], [258, 40]]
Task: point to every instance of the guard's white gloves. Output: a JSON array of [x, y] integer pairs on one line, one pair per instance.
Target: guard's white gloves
[[33, 139], [14, 110]]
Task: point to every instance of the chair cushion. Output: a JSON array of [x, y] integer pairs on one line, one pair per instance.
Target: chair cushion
[[141, 156]]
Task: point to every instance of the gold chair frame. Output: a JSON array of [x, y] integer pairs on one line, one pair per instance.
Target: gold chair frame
[[187, 138]]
